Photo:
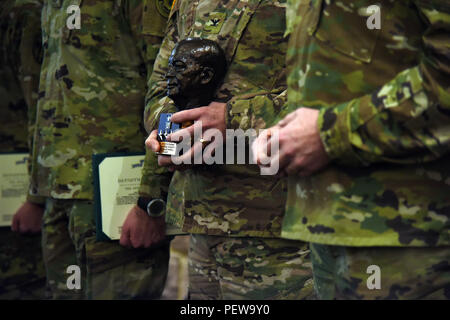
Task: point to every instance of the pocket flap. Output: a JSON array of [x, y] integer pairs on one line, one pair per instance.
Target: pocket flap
[[344, 28]]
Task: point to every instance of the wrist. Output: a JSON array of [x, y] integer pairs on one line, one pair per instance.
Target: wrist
[[36, 200], [154, 207]]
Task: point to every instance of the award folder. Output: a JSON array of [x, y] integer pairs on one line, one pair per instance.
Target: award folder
[[14, 185], [117, 177]]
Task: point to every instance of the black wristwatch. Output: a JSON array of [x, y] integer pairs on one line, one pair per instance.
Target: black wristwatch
[[154, 207]]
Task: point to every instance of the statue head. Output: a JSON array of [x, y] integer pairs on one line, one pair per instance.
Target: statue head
[[196, 68]]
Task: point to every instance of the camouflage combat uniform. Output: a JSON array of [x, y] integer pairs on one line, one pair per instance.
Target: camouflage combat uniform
[[91, 99], [233, 213], [22, 273], [384, 102]]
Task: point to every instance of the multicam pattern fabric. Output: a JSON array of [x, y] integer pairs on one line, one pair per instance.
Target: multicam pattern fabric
[[22, 272], [384, 102], [108, 270], [92, 87], [249, 268], [404, 273], [91, 99], [232, 200]]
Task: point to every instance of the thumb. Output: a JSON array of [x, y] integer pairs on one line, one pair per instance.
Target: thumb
[[125, 236], [152, 142]]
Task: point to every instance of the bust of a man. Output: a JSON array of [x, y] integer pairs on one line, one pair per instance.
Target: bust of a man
[[196, 68]]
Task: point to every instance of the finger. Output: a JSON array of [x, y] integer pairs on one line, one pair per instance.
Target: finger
[[152, 142], [283, 158], [277, 163], [187, 115], [23, 228], [136, 239], [258, 145], [273, 168], [125, 238], [294, 167], [268, 147], [254, 151]]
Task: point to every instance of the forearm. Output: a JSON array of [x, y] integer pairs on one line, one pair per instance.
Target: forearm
[[155, 179], [407, 120]]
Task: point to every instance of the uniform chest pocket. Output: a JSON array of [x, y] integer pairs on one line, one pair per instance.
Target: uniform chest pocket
[[223, 23], [99, 24], [343, 26]]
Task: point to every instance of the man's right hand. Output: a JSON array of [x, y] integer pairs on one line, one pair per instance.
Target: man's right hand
[[28, 218]]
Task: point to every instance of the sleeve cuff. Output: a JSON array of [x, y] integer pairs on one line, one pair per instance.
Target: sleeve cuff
[[335, 133], [151, 187], [237, 115], [36, 199], [152, 113], [256, 111], [155, 179]]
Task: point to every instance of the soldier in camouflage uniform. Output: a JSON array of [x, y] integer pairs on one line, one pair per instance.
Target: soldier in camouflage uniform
[[373, 113], [91, 99], [22, 273], [233, 213]]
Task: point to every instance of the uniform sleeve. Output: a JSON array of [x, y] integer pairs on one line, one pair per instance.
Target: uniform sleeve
[[147, 21], [407, 120], [155, 179], [30, 62], [30, 58]]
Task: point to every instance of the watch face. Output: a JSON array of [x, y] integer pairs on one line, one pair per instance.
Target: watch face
[[156, 207]]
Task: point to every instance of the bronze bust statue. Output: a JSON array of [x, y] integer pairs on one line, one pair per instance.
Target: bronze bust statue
[[196, 68]]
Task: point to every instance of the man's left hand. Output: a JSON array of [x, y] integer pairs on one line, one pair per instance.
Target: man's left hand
[[301, 151]]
